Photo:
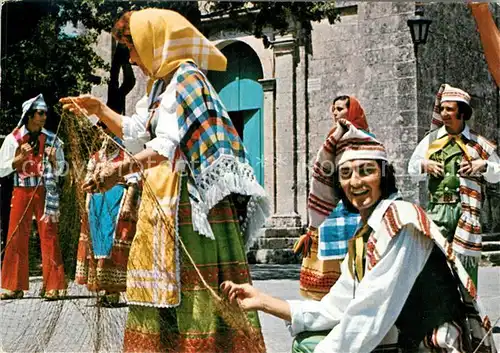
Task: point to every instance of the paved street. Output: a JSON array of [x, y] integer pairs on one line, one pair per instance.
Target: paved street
[[33, 325]]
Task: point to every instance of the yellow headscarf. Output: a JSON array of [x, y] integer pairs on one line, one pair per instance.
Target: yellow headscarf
[[164, 39]]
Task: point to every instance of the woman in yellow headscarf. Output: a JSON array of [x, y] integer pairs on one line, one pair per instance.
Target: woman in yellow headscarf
[[188, 200]]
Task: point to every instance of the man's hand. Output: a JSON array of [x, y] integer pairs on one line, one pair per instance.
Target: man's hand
[[244, 295], [473, 168], [22, 153], [24, 150], [433, 168]]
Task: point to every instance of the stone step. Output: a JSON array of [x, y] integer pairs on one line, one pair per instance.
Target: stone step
[[275, 243], [282, 232], [491, 246], [273, 256], [262, 272], [491, 256], [491, 237]]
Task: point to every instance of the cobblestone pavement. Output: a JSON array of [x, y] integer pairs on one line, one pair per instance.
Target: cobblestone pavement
[[34, 325]]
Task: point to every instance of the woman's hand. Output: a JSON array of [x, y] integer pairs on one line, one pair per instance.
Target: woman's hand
[[104, 178], [246, 296], [88, 105], [84, 105]]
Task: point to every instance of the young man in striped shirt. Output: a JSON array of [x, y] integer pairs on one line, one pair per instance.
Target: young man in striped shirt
[[35, 158]]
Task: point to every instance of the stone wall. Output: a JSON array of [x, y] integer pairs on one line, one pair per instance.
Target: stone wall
[[453, 54], [369, 54]]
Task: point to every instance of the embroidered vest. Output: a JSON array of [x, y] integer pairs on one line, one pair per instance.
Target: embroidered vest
[[32, 169], [446, 189]]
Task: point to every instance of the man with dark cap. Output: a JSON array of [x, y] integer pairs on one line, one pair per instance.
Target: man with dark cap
[[35, 157]]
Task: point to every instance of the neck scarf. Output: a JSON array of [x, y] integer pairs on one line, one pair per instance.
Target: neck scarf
[[439, 144], [357, 252]]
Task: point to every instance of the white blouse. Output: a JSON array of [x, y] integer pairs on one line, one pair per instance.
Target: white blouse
[[136, 137]]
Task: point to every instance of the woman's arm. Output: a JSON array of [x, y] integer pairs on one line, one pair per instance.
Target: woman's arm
[[87, 105], [111, 173], [131, 130]]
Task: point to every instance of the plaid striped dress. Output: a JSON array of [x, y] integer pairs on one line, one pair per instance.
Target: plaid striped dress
[[172, 309]]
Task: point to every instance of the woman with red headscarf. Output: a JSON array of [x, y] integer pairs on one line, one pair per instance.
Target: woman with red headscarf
[[348, 107], [324, 246]]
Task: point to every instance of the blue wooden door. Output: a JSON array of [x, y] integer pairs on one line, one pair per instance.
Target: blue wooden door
[[243, 98], [252, 137]]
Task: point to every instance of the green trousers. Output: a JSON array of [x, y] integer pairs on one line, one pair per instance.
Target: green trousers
[[446, 216], [306, 342]]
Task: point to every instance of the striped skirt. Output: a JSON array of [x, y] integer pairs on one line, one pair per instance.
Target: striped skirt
[[196, 325]]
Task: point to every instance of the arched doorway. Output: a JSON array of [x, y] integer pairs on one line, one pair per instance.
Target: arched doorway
[[242, 94]]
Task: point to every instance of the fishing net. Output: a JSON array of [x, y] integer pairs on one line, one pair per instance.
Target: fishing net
[[92, 317]]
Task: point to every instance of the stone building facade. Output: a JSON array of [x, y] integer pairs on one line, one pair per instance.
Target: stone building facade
[[368, 54]]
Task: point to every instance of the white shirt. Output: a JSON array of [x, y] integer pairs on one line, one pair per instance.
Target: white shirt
[[492, 173], [136, 137], [8, 152], [361, 315]]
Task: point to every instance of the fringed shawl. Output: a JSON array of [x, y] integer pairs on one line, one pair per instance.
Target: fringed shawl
[[214, 153]]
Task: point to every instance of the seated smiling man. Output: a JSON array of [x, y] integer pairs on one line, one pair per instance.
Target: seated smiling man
[[402, 289]]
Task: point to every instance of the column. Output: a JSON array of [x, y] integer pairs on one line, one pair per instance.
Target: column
[[285, 216]]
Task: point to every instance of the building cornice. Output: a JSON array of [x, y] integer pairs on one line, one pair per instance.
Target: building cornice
[[268, 84]]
